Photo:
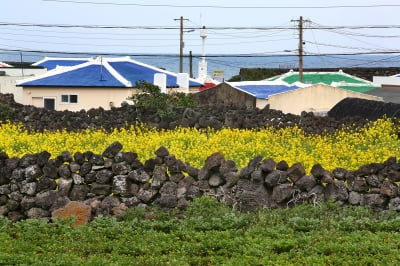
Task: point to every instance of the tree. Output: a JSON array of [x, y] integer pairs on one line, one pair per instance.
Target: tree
[[164, 105]]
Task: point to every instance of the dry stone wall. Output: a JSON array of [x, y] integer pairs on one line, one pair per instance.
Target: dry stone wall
[[35, 186]]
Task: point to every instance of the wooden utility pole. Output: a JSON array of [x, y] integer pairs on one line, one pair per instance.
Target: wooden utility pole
[[301, 43], [181, 43]]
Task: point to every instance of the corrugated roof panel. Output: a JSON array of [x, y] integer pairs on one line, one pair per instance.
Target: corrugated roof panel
[[264, 91], [94, 75]]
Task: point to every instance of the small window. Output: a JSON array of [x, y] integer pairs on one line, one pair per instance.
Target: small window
[[69, 98], [73, 98]]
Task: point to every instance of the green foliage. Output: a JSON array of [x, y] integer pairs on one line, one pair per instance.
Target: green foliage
[[6, 112], [207, 213], [150, 97], [210, 233]]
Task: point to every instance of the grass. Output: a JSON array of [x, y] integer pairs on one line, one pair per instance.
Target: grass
[[210, 233]]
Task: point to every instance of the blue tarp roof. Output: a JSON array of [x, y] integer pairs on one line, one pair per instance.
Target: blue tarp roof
[[90, 76], [264, 91], [135, 73], [101, 72]]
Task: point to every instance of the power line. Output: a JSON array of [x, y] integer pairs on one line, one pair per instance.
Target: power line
[[223, 7], [23, 24]]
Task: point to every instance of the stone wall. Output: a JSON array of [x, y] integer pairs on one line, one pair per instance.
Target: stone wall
[[207, 116], [35, 186]]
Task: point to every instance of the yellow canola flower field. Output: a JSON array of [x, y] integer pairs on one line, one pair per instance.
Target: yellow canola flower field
[[346, 148]]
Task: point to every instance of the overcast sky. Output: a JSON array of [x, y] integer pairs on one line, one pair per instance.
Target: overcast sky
[[276, 23]]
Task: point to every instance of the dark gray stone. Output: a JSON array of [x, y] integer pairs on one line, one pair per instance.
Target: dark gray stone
[[45, 199], [45, 183], [375, 201], [122, 168], [159, 176], [74, 167], [50, 171], [28, 202], [216, 180], [139, 175], [268, 165], [251, 195], [359, 184], [336, 191], [64, 171], [295, 172], [394, 204], [29, 188], [104, 176], [257, 175], [276, 177], [101, 189], [18, 174], [162, 152], [167, 201], [168, 188], [282, 193], [374, 180], [252, 165], [214, 161], [77, 179], [389, 189], [146, 196], [120, 185], [112, 149], [227, 167], [37, 213], [79, 192], [340, 173], [96, 159], [32, 172], [5, 190], [86, 167], [64, 186], [306, 183], [354, 198], [231, 179]]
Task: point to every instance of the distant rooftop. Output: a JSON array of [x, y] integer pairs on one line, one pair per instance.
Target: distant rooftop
[[100, 72], [336, 79]]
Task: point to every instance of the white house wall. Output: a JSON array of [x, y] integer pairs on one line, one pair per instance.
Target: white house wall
[[382, 80], [87, 97], [316, 98], [7, 85]]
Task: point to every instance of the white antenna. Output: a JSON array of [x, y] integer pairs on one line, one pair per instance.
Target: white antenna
[[203, 63]]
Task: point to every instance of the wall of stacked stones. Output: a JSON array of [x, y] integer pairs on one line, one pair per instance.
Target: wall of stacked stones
[[35, 186]]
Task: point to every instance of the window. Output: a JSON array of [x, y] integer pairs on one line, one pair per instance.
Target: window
[[69, 98]]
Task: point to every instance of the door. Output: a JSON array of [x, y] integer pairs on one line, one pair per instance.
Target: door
[[49, 103]]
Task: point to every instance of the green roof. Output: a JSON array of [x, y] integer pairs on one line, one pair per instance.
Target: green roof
[[358, 88], [326, 78]]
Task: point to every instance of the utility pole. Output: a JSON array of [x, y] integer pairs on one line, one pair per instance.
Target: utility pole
[[181, 43], [301, 43]]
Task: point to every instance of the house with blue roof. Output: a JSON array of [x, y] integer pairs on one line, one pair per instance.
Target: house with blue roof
[[96, 82], [279, 95]]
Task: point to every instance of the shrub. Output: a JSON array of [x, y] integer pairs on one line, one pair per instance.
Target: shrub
[[163, 104], [6, 112]]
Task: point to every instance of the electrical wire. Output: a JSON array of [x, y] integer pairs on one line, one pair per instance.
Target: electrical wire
[[223, 7]]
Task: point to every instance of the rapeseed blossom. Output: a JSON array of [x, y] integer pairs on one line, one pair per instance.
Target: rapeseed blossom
[[347, 148]]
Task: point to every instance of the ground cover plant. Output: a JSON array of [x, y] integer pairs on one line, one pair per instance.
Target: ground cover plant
[[210, 233], [348, 148]]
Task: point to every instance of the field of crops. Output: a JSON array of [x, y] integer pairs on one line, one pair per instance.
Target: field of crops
[[346, 148]]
